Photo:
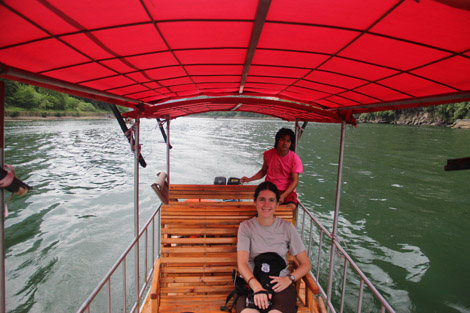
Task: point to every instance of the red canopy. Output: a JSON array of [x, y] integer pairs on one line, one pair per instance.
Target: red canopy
[[294, 59]]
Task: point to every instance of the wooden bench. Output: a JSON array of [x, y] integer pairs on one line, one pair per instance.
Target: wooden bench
[[200, 193], [198, 255], [211, 192]]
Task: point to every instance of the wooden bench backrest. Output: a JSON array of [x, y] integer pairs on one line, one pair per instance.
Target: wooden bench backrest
[[198, 249], [180, 192]]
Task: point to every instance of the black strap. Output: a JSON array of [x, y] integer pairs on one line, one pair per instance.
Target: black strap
[[262, 291], [227, 300]]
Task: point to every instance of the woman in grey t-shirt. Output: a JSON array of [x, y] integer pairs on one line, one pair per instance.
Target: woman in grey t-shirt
[[267, 233]]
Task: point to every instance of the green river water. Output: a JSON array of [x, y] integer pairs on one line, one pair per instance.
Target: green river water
[[404, 220]]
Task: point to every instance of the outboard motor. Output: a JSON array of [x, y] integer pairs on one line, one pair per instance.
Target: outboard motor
[[234, 181], [220, 180]]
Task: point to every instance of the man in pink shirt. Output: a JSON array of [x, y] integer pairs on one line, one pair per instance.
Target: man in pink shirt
[[282, 167]]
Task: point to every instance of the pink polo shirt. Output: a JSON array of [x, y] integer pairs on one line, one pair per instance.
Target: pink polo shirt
[[280, 169]]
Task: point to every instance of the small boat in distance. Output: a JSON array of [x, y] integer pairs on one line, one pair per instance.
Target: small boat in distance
[[297, 60]]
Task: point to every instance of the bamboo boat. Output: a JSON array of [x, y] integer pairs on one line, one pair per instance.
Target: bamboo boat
[[301, 61]]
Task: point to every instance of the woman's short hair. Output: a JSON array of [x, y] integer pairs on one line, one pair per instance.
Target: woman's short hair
[[283, 132], [267, 185]]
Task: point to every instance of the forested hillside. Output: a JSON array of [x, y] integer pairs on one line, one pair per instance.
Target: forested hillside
[[21, 97]]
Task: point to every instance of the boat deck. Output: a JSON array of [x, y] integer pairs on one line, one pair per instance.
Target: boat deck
[[198, 250]]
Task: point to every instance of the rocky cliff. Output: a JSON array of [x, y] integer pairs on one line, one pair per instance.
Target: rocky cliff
[[407, 117]]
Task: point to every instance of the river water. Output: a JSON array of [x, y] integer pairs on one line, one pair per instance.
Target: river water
[[403, 218]]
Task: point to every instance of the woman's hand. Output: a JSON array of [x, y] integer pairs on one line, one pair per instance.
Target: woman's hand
[[280, 283], [261, 300]]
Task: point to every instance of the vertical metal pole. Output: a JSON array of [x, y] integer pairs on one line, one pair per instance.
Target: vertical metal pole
[[168, 149], [296, 135], [136, 204], [336, 213], [2, 201]]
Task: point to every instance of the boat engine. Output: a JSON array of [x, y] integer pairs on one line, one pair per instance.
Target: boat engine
[[220, 180]]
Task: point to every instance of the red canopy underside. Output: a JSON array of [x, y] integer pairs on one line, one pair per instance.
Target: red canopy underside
[[294, 59]]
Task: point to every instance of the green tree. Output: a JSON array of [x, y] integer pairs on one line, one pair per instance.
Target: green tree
[[10, 87], [71, 104], [85, 107], [26, 97], [46, 104], [461, 110]]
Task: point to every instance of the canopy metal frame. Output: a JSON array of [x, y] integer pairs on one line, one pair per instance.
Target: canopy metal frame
[[136, 149], [334, 231], [2, 201]]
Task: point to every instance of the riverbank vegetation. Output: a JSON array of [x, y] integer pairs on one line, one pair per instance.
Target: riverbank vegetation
[[442, 115], [24, 99]]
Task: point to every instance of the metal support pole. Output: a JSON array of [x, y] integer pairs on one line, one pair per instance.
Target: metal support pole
[[168, 147], [336, 213], [136, 203], [124, 129], [162, 130], [2, 202], [297, 135]]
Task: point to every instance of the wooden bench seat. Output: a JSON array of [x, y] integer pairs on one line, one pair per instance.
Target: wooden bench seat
[[198, 255]]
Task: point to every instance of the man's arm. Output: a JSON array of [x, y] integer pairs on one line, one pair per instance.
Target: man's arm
[[260, 174]]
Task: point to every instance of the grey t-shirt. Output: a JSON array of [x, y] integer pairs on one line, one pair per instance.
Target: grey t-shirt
[[280, 237]]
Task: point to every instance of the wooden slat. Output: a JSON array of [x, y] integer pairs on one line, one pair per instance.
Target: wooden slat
[[178, 192], [207, 303], [222, 258], [199, 232], [197, 279], [198, 249], [193, 241], [200, 270], [212, 204], [192, 289]]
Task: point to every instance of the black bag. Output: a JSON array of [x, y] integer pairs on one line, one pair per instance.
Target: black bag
[[268, 264], [241, 289]]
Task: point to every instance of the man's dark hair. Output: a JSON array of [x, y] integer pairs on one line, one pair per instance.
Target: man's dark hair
[[283, 132]]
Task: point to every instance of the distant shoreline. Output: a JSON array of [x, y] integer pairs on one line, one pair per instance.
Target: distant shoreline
[[82, 116], [461, 123]]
